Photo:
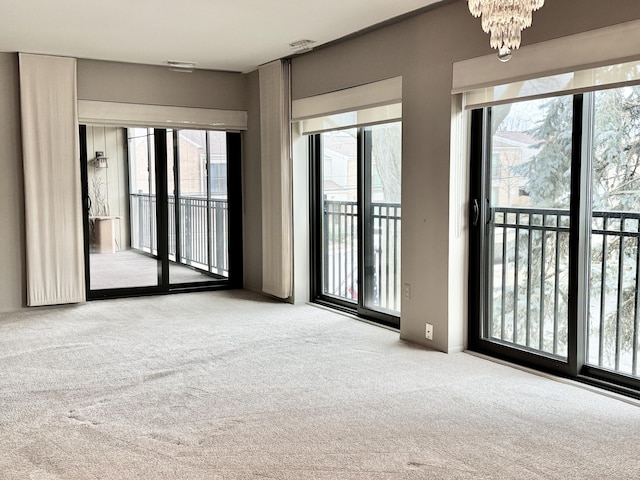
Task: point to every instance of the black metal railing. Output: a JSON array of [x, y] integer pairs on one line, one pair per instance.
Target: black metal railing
[[340, 253], [143, 222], [529, 281], [530, 260], [614, 320], [199, 238], [386, 223], [340, 249]]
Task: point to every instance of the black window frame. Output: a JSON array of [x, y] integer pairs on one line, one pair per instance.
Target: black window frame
[[364, 146], [234, 198], [575, 366]]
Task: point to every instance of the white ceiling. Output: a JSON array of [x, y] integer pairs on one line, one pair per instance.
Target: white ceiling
[[236, 35]]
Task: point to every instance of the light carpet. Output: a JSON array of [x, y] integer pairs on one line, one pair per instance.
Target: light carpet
[[231, 385]]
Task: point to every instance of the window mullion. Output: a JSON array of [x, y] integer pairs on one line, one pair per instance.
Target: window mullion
[[579, 243], [160, 153], [176, 195], [364, 145], [207, 175]]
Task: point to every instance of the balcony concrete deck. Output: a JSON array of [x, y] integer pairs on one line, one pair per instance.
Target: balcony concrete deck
[[130, 268]]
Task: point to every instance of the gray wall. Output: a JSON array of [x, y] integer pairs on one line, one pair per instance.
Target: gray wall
[[113, 181], [12, 266], [422, 50], [155, 85]]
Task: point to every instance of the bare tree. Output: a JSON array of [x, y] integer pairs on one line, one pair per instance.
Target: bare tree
[[387, 159]]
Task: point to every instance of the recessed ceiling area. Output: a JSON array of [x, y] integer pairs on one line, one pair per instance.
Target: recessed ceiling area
[[236, 35]]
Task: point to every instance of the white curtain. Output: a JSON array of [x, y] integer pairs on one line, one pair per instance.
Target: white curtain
[[368, 104], [162, 116], [608, 76], [357, 118], [275, 142], [53, 211]]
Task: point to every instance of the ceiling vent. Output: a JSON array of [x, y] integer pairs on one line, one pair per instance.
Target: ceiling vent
[[301, 46], [185, 67]]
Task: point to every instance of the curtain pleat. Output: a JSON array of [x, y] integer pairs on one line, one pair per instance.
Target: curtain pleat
[[53, 211], [276, 179]]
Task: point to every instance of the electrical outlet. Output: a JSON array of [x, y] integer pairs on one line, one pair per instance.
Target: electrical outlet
[[428, 331], [407, 291]]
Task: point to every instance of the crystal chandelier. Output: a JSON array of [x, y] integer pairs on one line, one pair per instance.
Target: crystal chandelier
[[504, 20]]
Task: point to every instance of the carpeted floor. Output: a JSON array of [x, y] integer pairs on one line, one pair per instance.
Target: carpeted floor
[[230, 385]]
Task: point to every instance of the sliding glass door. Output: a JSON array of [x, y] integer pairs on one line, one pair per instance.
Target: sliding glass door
[[555, 244], [122, 215], [357, 223], [163, 209], [198, 207], [381, 212], [614, 295], [527, 229], [338, 204]]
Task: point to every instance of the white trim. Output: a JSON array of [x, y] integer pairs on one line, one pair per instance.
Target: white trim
[[133, 114], [605, 46]]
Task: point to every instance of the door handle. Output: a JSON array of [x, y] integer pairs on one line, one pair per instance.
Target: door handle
[[475, 212]]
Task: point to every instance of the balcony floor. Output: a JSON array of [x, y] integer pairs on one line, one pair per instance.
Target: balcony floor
[[130, 268]]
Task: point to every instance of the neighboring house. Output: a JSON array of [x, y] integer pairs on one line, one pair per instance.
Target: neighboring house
[[510, 150], [340, 166]]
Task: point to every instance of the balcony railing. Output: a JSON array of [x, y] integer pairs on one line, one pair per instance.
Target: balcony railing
[[340, 253], [203, 227], [529, 305]]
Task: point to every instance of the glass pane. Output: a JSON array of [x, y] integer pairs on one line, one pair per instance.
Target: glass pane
[[218, 204], [143, 198], [122, 215], [192, 200], [529, 185], [190, 206], [613, 326], [382, 246], [339, 184]]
